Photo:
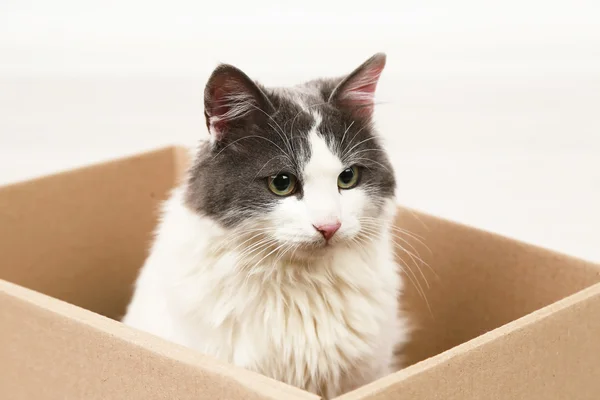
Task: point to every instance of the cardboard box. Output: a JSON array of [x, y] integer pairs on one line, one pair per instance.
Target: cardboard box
[[500, 319]]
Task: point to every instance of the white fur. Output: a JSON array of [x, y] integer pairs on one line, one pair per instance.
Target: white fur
[[324, 319]]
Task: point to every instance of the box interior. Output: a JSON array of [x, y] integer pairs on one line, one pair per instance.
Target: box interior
[[82, 235]]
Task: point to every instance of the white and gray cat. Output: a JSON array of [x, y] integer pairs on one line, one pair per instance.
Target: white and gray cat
[[276, 253]]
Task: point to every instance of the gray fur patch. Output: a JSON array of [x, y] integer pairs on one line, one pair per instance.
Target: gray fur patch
[[228, 180]]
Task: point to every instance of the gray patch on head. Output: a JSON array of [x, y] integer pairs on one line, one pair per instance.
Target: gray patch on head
[[228, 180]]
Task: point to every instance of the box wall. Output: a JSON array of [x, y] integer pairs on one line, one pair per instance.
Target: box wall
[[478, 281], [53, 350], [551, 354], [81, 236]]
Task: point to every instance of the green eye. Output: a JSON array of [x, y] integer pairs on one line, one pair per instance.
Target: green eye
[[282, 184], [348, 178]]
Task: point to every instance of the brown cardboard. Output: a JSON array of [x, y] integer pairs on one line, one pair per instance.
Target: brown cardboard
[[501, 319]]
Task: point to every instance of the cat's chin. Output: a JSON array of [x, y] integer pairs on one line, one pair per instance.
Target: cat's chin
[[316, 249]]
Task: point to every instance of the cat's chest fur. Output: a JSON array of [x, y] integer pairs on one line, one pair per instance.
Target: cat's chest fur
[[325, 327]]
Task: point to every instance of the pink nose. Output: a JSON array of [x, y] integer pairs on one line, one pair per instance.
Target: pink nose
[[328, 230]]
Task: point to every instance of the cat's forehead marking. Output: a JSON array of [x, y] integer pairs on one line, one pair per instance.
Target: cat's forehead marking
[[304, 96], [323, 162], [301, 96], [317, 118]]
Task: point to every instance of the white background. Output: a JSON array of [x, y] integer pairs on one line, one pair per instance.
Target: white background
[[492, 112]]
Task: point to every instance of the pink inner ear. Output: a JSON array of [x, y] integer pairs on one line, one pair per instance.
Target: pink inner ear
[[358, 93], [220, 107], [230, 102], [217, 115], [360, 90]]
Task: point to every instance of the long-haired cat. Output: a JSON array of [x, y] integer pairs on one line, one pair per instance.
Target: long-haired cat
[[276, 254]]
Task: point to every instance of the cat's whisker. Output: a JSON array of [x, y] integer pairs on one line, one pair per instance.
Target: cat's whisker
[[360, 240], [240, 232], [294, 252], [271, 252], [253, 137], [256, 248], [411, 277], [273, 158], [359, 143], [252, 271], [392, 226], [345, 132], [412, 256], [357, 159], [225, 242], [358, 244], [246, 241], [344, 152], [417, 255], [283, 137], [397, 236], [366, 150], [417, 218], [412, 235], [414, 259], [415, 236], [383, 103], [281, 133], [418, 286], [283, 253]]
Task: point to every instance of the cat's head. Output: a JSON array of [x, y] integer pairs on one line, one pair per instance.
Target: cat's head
[[298, 167]]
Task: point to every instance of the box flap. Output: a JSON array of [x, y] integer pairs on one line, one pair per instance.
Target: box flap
[[477, 281], [551, 354], [81, 235], [59, 351]]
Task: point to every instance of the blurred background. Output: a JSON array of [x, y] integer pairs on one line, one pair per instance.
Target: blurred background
[[491, 114]]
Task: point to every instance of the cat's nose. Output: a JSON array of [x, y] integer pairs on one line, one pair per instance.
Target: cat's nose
[[328, 230]]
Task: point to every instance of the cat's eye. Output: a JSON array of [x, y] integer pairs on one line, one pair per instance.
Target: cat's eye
[[282, 184], [348, 178]]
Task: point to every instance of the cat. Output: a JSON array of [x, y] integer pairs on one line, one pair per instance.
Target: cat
[[275, 253]]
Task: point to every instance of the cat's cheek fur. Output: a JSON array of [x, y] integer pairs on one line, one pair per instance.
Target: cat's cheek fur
[[327, 338], [291, 219]]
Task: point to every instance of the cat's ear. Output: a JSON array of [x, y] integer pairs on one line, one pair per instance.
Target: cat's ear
[[232, 99], [356, 92]]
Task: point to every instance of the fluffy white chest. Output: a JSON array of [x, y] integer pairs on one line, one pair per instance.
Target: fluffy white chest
[[325, 326]]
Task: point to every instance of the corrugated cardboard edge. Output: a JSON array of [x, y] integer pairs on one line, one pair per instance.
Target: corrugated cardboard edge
[[183, 157], [239, 382], [129, 156], [398, 385], [418, 215]]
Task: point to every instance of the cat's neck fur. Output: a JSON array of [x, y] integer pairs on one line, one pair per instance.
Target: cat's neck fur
[[304, 318]]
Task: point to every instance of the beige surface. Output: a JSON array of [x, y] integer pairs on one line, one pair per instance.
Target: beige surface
[[81, 236]]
